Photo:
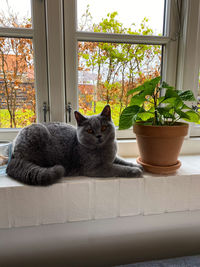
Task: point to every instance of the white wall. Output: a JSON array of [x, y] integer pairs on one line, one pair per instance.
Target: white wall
[[102, 243]]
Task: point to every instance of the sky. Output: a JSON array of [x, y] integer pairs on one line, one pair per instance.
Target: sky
[[21, 7], [129, 11]]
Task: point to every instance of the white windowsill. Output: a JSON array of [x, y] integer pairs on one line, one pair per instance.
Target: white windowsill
[[83, 198]]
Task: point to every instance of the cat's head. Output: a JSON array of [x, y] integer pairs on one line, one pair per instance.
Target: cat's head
[[94, 131]]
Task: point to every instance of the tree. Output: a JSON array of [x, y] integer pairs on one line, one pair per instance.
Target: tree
[[118, 67], [16, 74]]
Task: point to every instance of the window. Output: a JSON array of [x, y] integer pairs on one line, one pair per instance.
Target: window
[[18, 67], [141, 17], [188, 53], [17, 83], [82, 59], [106, 71], [115, 54], [195, 129]]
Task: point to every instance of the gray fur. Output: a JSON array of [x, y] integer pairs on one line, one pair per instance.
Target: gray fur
[[43, 153]]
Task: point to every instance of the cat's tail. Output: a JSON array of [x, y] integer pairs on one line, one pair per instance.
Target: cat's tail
[[32, 174]]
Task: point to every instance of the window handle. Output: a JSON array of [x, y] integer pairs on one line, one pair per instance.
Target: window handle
[[69, 111], [45, 109]]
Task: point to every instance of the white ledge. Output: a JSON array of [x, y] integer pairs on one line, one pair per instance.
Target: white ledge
[[83, 198], [129, 148]]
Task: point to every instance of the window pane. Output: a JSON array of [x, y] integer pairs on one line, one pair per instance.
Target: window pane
[[17, 93], [107, 71], [15, 14], [143, 17]]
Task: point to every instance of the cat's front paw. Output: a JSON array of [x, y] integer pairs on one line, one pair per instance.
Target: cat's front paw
[[136, 165], [135, 172], [139, 166]]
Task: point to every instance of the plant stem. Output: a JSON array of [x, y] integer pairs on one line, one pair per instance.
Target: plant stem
[[155, 106], [174, 121]]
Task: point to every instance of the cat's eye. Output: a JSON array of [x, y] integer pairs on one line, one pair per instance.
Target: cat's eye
[[103, 128], [90, 131]]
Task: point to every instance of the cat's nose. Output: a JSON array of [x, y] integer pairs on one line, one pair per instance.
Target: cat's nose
[[98, 136]]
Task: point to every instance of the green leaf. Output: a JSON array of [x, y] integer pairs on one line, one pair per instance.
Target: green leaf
[[174, 102], [186, 95], [128, 117], [85, 56], [193, 116], [148, 91], [151, 84], [145, 115], [183, 115], [186, 107], [160, 99], [167, 86], [179, 104], [148, 106], [170, 100], [135, 90], [166, 112], [137, 100], [171, 93]]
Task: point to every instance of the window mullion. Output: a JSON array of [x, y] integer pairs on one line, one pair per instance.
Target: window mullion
[[71, 55], [40, 56], [189, 55], [55, 54], [170, 50], [188, 58]]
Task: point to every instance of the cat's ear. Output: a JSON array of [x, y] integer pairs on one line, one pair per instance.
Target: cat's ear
[[106, 112], [79, 118]]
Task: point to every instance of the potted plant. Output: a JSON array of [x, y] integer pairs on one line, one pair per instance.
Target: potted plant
[[156, 111]]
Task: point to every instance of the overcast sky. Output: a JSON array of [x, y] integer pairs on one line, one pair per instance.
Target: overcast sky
[[20, 7], [129, 10]]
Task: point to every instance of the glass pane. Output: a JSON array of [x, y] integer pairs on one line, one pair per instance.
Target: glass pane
[[15, 13], [143, 17], [107, 71], [17, 93]]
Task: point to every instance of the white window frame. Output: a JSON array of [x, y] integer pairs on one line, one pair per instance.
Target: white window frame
[[55, 48], [38, 36], [72, 36], [189, 53]]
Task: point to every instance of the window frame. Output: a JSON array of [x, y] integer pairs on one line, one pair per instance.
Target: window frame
[[55, 48], [189, 53], [38, 37], [72, 37]]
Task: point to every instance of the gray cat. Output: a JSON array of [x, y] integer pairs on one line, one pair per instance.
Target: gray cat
[[43, 153]]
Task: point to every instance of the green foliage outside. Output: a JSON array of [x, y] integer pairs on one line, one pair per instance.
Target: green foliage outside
[[118, 67], [24, 117], [115, 111], [153, 103]]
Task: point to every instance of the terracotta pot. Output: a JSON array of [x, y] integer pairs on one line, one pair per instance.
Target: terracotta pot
[[160, 145]]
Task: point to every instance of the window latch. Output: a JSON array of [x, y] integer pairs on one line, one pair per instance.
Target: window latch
[[69, 111], [45, 109]]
